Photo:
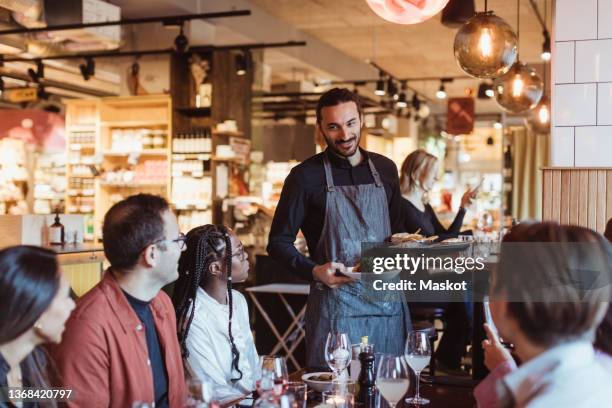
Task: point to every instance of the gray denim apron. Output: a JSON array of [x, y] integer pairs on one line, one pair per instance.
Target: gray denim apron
[[353, 214]]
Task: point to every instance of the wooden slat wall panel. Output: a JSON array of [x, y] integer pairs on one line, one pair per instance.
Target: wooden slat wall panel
[[574, 197], [577, 196], [592, 203], [601, 200], [547, 196], [584, 197], [609, 195], [556, 195], [565, 197]]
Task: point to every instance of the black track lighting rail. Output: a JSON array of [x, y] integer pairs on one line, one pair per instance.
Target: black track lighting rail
[[140, 53], [166, 20]]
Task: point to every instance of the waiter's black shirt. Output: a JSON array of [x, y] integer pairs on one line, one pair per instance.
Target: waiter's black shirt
[[156, 357], [302, 204]]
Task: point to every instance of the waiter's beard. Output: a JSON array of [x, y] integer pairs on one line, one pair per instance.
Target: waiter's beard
[[336, 146]]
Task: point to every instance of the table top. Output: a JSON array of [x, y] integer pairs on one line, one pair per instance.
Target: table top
[[282, 288]]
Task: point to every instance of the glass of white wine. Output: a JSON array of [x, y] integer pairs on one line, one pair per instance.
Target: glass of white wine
[[418, 354], [392, 378]]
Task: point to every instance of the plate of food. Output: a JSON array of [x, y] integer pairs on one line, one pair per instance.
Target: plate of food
[[418, 241], [319, 381]]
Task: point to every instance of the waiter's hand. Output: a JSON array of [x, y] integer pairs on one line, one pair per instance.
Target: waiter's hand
[[326, 274]]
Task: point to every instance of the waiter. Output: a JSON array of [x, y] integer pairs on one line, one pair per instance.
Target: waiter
[[340, 198]]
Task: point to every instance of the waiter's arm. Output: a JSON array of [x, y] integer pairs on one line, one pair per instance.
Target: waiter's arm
[[288, 218]]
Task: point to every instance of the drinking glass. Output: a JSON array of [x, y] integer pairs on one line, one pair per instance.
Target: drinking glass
[[272, 374], [337, 352], [343, 400], [392, 378], [344, 386], [299, 392], [418, 354]]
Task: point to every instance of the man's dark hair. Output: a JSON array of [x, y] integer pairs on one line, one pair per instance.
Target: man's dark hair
[[130, 226], [336, 96]]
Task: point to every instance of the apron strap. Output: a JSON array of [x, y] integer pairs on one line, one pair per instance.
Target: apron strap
[[375, 174], [328, 173]]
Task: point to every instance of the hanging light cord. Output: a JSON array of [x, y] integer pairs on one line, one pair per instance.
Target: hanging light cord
[[545, 26], [518, 29], [486, 4]]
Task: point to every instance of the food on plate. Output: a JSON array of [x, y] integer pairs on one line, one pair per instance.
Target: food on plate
[[357, 267], [322, 377], [402, 237], [452, 240]]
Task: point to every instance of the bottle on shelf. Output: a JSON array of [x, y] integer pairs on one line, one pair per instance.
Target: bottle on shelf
[[56, 231]]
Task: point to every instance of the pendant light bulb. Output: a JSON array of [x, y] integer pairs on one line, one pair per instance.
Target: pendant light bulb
[[486, 46], [441, 93], [380, 85], [543, 114], [485, 43], [539, 120], [517, 86], [520, 89]]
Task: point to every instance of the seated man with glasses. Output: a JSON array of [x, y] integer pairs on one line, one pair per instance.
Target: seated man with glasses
[[120, 344]]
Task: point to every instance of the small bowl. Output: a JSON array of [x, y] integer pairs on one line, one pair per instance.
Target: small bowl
[[319, 386]]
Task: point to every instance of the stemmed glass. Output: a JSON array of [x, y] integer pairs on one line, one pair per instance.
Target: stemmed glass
[[272, 375], [392, 378], [418, 354], [337, 352]]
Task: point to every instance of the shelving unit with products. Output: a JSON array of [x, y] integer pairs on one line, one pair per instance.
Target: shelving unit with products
[[191, 177], [117, 146]]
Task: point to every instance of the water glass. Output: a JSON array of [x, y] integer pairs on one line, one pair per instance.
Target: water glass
[[299, 392], [272, 374], [344, 386], [336, 400]]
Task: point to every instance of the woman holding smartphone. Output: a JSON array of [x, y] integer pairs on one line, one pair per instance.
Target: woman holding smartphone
[[418, 174]]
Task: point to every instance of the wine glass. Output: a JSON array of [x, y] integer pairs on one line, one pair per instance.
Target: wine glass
[[337, 352], [392, 378], [418, 354], [272, 374]]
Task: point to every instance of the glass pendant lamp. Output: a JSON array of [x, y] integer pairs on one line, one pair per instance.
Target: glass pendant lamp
[[406, 11]]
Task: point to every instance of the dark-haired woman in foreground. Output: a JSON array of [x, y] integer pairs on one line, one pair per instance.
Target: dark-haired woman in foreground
[[573, 328], [212, 318], [34, 306]]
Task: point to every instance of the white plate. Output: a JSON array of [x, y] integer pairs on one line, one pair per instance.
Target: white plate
[[357, 275]]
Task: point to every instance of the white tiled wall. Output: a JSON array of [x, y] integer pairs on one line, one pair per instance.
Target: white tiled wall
[[582, 88]]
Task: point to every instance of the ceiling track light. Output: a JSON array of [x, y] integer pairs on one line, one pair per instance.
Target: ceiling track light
[[546, 54], [380, 84], [88, 69], [181, 41], [402, 102], [242, 62], [39, 73], [392, 89], [441, 93]]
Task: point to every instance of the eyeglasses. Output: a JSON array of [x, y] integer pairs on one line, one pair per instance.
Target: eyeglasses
[[240, 253], [181, 241]]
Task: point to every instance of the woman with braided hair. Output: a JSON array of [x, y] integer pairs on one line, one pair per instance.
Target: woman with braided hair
[[212, 318]]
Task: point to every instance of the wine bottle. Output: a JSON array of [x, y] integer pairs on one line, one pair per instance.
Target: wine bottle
[[56, 232]]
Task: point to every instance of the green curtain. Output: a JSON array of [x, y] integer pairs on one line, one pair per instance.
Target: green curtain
[[530, 152]]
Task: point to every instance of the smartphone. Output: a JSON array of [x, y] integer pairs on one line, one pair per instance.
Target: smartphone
[[479, 185], [487, 315]]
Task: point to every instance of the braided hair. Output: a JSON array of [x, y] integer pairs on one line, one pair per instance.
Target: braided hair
[[205, 244]]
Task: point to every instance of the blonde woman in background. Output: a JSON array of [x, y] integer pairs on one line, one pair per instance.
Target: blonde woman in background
[[418, 174]]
